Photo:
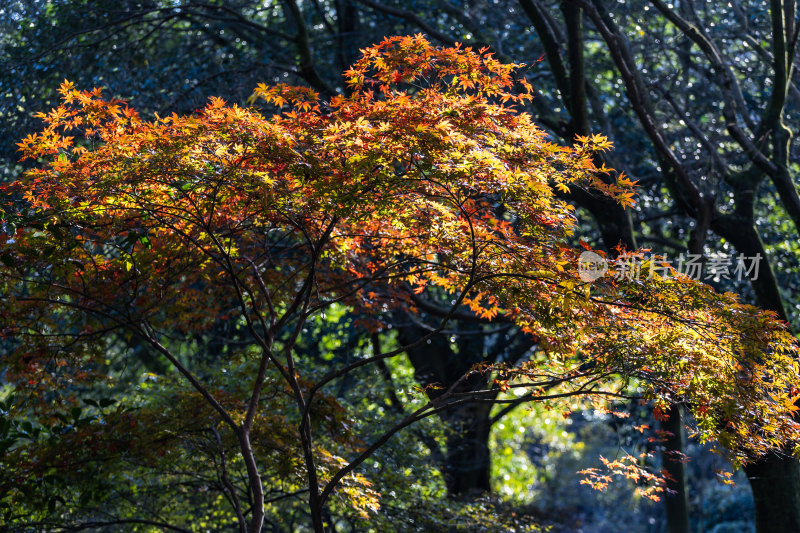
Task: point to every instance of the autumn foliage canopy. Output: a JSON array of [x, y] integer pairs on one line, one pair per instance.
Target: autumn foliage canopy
[[426, 181]]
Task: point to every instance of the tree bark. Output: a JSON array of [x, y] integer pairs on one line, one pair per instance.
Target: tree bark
[[775, 481], [254, 480], [775, 478], [467, 464], [676, 502], [468, 461]]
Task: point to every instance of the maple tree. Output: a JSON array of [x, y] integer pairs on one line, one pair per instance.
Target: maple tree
[[424, 178]]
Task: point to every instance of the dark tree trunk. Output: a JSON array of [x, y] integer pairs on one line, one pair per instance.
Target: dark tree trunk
[[775, 481], [675, 502], [468, 462], [467, 459]]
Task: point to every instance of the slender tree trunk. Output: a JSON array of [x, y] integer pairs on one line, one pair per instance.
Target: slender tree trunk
[[314, 503], [254, 480], [316, 513], [676, 503]]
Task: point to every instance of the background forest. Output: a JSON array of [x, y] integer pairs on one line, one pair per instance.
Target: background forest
[[700, 102]]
